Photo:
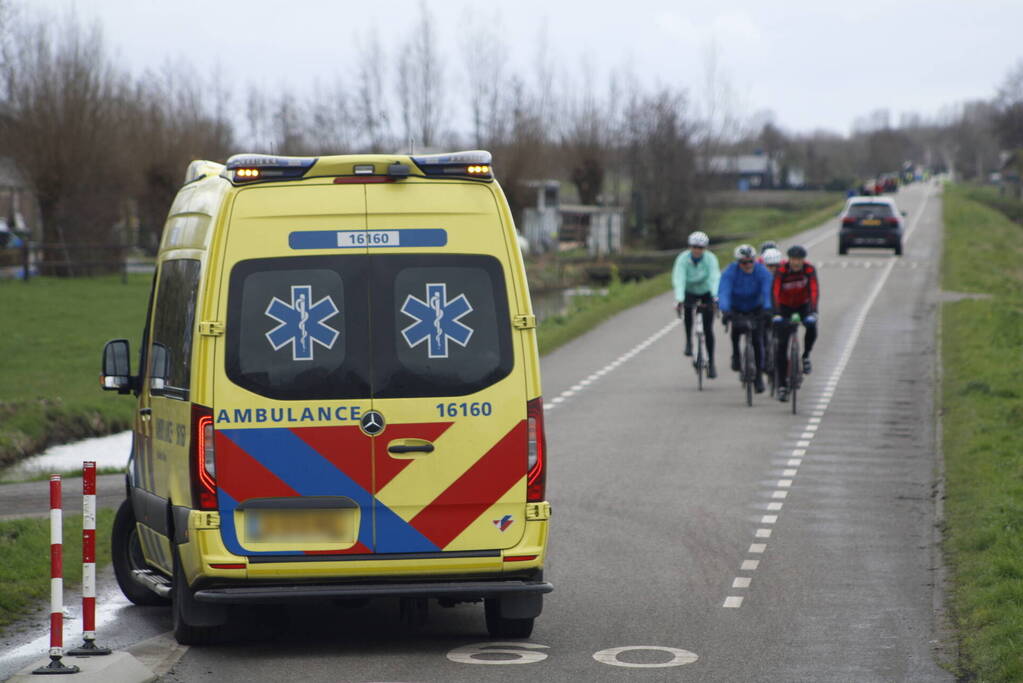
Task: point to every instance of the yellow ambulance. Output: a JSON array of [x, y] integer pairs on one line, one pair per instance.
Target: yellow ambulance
[[338, 395]]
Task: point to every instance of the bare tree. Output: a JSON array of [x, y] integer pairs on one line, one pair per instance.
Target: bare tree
[[1008, 117], [420, 82], [375, 121], [668, 194], [485, 77], [60, 111]]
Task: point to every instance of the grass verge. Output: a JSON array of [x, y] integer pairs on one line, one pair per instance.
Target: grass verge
[[25, 569], [747, 225], [982, 405], [53, 334]]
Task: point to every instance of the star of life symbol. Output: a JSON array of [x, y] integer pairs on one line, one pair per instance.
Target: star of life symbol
[[437, 320], [302, 323]]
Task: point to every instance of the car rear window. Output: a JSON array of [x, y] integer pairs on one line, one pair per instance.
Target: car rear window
[[877, 210], [358, 326]]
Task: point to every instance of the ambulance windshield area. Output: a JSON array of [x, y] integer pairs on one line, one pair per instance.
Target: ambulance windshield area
[[359, 326]]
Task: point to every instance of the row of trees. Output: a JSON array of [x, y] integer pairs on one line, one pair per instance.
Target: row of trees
[[101, 145]]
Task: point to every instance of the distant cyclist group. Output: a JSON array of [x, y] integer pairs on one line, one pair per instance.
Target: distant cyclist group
[[758, 294]]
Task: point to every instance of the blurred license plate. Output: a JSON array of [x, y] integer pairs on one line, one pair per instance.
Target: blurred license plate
[[302, 526], [872, 221]]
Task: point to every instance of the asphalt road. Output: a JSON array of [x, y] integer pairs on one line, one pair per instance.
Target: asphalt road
[[693, 538]]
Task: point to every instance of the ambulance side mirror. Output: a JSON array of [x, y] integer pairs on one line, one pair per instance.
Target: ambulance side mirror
[[160, 359], [116, 374]]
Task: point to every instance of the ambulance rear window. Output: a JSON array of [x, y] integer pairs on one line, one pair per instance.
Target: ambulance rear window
[[356, 326], [441, 325], [297, 328]]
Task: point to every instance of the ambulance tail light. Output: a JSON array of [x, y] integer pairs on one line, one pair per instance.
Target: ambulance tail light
[[203, 466], [536, 452]]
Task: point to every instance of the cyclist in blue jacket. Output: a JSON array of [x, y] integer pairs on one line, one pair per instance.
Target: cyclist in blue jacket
[[745, 288], [695, 280]]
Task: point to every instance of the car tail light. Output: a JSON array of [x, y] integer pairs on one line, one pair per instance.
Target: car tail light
[[891, 220], [848, 220], [203, 466], [536, 452]]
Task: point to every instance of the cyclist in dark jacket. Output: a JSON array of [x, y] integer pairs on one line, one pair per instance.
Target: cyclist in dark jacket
[[796, 290]]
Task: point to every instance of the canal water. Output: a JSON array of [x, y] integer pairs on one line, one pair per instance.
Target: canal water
[[106, 451], [553, 302]]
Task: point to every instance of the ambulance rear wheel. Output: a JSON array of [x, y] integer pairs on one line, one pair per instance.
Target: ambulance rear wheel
[[194, 623], [503, 627], [126, 556]]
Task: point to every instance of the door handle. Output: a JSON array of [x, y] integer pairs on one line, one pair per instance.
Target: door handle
[[405, 446]]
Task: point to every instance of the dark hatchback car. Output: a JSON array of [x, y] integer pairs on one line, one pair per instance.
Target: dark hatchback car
[[873, 222]]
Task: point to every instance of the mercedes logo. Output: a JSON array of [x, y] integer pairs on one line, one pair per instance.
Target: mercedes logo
[[372, 423]]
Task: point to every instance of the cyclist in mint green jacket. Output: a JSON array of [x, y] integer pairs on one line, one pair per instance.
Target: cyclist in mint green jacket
[[695, 279]]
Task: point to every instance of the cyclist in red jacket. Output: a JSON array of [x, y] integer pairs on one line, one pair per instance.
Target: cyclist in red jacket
[[796, 290]]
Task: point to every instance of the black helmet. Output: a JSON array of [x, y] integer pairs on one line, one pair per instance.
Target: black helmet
[[769, 244], [797, 251]]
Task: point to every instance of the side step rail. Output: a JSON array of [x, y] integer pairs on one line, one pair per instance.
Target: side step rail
[[158, 583]]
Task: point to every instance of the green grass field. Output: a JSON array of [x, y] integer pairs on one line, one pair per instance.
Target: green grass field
[[25, 569], [53, 334], [982, 406]]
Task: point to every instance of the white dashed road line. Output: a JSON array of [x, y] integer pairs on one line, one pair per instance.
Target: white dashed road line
[[807, 433], [628, 355]]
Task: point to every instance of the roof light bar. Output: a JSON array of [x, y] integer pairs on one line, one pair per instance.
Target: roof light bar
[[474, 163], [248, 167]]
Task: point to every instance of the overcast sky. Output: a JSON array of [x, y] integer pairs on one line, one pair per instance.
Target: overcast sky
[[814, 63]]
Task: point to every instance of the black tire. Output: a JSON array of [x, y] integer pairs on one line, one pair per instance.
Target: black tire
[[898, 249], [185, 633], [699, 364], [794, 369], [499, 627], [842, 249], [126, 556], [748, 370]]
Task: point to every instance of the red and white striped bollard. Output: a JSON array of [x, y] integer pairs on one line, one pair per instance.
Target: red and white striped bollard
[[89, 646], [56, 586]]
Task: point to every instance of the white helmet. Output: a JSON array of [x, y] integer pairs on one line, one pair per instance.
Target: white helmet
[[698, 239], [772, 257], [745, 251]]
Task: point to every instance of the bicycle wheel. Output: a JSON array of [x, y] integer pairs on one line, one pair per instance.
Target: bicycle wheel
[[794, 368], [699, 362], [769, 363], [749, 368]]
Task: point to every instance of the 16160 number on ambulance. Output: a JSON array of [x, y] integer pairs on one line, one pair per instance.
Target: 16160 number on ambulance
[[338, 395]]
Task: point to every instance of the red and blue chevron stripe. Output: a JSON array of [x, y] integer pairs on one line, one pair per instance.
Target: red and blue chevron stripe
[[340, 461]]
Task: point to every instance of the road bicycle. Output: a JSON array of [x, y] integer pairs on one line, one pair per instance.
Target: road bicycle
[[795, 375], [701, 362], [745, 324], [770, 357]]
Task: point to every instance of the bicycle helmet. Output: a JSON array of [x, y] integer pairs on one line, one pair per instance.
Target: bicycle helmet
[[767, 245], [772, 257], [745, 251], [797, 251], [698, 239]]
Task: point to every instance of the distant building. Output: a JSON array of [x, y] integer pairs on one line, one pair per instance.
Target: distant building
[[744, 171], [752, 172], [19, 210], [552, 225]]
